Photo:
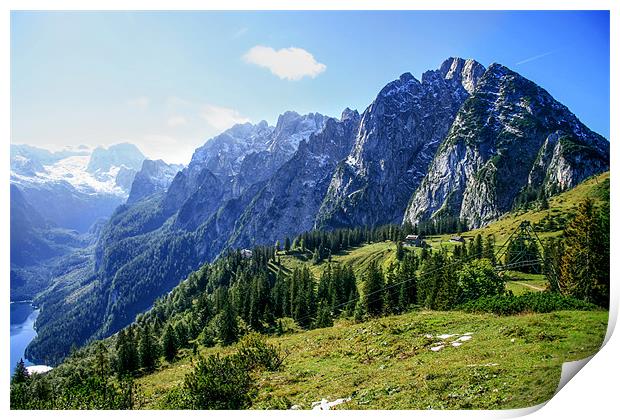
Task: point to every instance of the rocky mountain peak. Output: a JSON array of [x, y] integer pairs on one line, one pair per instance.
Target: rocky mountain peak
[[348, 114], [155, 176], [464, 72], [122, 154], [292, 128], [509, 136], [405, 83]]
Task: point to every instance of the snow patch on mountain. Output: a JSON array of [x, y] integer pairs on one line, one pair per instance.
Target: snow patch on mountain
[[73, 171]]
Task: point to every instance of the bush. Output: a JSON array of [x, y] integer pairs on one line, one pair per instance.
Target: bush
[[216, 383], [287, 326], [477, 279], [542, 302], [256, 353]]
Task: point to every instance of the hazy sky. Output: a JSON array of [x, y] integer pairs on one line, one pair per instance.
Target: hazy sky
[[168, 81]]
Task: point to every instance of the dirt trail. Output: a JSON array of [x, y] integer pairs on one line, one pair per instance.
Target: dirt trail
[[530, 286]]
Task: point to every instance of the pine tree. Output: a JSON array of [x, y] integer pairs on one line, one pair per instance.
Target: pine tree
[[324, 318], [359, 312], [181, 334], [489, 249], [478, 248], [544, 203], [126, 354], [21, 374], [287, 244], [147, 349], [553, 249], [102, 365], [227, 329], [390, 297], [169, 343], [584, 268], [372, 291], [400, 251]]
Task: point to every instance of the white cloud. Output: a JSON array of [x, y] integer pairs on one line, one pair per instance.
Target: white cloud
[[221, 118], [177, 120], [139, 102], [287, 63]]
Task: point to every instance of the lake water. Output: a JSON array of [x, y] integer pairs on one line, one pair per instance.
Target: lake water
[[23, 315]]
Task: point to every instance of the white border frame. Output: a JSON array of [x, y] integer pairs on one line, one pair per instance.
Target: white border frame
[[592, 394]]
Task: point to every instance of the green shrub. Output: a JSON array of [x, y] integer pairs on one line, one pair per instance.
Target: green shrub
[[477, 279], [216, 383], [529, 302], [256, 353]]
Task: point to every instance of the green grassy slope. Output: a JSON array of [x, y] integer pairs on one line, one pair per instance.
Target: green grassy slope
[[561, 209], [381, 253], [387, 363]]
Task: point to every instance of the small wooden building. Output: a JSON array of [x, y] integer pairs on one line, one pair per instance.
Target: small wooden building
[[413, 240], [457, 238]]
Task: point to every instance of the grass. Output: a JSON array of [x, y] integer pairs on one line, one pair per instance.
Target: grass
[[510, 362], [360, 258], [520, 283]]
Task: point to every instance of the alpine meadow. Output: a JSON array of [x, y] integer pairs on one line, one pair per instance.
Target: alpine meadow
[[445, 247]]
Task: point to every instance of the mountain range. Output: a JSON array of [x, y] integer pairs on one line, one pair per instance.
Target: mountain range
[[465, 142], [59, 200]]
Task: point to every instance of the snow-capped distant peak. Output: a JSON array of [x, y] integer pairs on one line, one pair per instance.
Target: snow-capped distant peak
[[73, 171]]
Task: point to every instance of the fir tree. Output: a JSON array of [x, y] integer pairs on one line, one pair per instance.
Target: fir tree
[[21, 374], [372, 291], [169, 343], [147, 349], [584, 269]]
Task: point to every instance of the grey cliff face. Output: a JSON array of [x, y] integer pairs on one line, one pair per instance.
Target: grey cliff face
[[290, 130], [290, 200], [236, 159], [397, 139], [155, 176], [508, 136]]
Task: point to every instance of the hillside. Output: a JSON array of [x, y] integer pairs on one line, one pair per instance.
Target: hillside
[[387, 363], [404, 355], [510, 362], [562, 208]]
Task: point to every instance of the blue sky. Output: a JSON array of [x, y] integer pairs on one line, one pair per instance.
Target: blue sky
[[168, 81]]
